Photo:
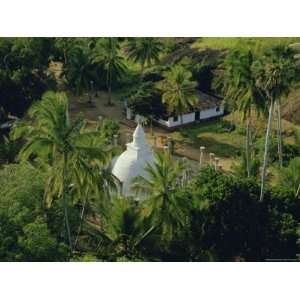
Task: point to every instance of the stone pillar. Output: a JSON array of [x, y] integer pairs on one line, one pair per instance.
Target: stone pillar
[[170, 144], [128, 137], [211, 157], [201, 158], [166, 148], [115, 143], [216, 163], [184, 174]]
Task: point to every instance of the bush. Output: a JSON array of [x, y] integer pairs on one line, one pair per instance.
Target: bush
[[110, 128], [229, 221], [25, 235]]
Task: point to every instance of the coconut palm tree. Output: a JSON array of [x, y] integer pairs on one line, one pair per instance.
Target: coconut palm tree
[[121, 228], [108, 56], [66, 146], [178, 90], [160, 186], [65, 45], [240, 90], [144, 50], [273, 76], [144, 100], [80, 70]]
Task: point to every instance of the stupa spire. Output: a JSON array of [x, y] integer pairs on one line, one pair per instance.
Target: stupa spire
[[139, 138]]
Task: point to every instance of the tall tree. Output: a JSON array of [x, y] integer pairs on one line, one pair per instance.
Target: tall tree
[[122, 229], [65, 45], [178, 90], [160, 184], [241, 92], [145, 101], [274, 75], [108, 56], [144, 50], [65, 145], [285, 56], [80, 70]]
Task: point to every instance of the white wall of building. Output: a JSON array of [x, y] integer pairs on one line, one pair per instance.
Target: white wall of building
[[190, 117], [187, 118], [212, 112]]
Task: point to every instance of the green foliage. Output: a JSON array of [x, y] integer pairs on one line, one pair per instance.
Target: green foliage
[[85, 258], [24, 232], [163, 180], [255, 44], [109, 128], [289, 151], [23, 76], [122, 230], [290, 176], [107, 55], [145, 100], [213, 217], [179, 90], [71, 154], [230, 222], [9, 150], [80, 71], [37, 244], [240, 169], [144, 50], [238, 83]]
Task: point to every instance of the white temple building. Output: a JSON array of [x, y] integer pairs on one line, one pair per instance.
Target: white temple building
[[132, 161]]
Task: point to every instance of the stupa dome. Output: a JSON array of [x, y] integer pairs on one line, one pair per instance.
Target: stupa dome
[[132, 161]]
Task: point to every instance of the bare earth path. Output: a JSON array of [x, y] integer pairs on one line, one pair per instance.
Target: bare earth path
[[99, 108]]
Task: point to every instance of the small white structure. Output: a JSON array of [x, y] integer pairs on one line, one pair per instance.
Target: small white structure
[[208, 106], [132, 162]]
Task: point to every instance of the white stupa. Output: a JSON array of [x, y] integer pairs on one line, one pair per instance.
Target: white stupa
[[132, 161]]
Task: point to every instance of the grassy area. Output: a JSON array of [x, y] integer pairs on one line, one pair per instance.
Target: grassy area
[[256, 44], [212, 134], [217, 138]]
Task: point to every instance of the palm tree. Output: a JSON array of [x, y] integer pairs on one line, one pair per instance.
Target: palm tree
[[290, 176], [144, 50], [179, 90], [65, 45], [144, 100], [274, 76], [160, 186], [240, 90], [66, 146], [121, 228], [80, 70], [108, 56]]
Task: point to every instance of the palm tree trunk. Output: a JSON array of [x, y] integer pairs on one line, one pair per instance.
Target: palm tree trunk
[[298, 191], [109, 103], [109, 96], [65, 159], [279, 133], [142, 69], [248, 148], [65, 58], [81, 220], [151, 126], [266, 153]]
